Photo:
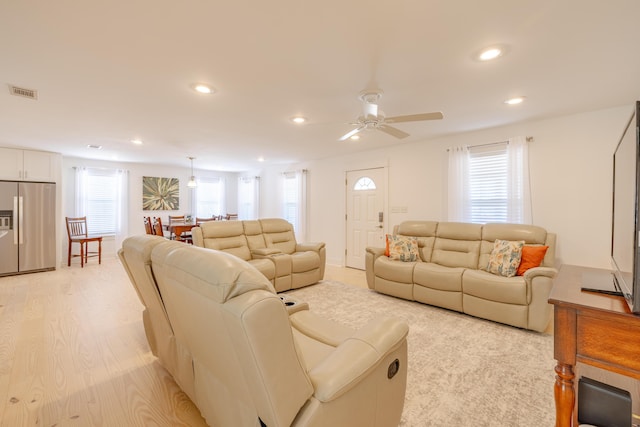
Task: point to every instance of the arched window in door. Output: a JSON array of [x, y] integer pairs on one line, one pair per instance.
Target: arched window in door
[[364, 183]]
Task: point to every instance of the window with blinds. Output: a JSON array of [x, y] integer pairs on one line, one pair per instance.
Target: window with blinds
[[101, 201], [488, 183], [209, 197]]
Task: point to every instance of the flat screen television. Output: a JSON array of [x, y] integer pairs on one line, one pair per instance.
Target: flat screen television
[[625, 252]]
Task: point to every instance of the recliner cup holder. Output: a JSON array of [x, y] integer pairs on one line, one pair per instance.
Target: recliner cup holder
[[287, 302]]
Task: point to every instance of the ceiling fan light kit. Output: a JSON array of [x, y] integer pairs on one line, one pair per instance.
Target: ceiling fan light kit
[[373, 118]]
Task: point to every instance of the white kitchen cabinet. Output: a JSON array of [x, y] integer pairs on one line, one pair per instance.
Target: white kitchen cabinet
[[27, 165]]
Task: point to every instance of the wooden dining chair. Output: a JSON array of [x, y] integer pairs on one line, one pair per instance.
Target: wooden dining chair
[[201, 220], [232, 216], [148, 226], [77, 233], [157, 227], [175, 218]]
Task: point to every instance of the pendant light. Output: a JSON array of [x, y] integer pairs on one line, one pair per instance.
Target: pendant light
[[192, 181]]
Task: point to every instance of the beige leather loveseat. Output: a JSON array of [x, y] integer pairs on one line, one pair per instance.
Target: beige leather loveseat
[[450, 272], [270, 246], [247, 357]]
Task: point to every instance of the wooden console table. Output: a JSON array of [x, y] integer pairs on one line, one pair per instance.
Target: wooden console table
[[590, 328]]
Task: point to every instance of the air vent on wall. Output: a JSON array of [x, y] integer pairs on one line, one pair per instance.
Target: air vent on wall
[[25, 93]]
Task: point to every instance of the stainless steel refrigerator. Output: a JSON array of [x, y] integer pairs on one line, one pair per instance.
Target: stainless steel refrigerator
[[27, 227]]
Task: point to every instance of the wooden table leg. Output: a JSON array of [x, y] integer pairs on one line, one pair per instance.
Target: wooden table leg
[[565, 395]]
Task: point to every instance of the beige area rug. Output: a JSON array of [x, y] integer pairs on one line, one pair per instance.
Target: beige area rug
[[463, 371]]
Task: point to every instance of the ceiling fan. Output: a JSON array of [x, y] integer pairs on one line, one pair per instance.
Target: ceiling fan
[[373, 118]]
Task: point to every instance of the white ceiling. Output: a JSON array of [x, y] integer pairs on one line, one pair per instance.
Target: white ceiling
[[107, 72]]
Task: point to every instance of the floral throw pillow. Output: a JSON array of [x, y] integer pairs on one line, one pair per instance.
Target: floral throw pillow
[[403, 248], [505, 257]]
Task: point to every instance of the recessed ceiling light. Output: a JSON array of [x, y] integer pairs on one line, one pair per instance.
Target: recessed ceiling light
[[355, 137], [298, 119], [492, 52], [136, 141], [95, 147], [261, 159], [515, 101], [202, 88]]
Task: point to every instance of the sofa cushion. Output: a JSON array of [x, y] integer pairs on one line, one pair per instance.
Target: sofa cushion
[[304, 261], [424, 231], [531, 234], [438, 277], [253, 233], [532, 257], [278, 233], [403, 248], [457, 244], [487, 286], [394, 271], [265, 266], [227, 236], [505, 257]]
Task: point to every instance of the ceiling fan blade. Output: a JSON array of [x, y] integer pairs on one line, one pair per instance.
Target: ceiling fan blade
[[393, 131], [415, 117], [351, 133]]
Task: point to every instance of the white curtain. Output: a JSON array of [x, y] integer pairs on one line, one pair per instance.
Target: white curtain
[[295, 202], [122, 205], [81, 178], [519, 194], [458, 184], [248, 197]]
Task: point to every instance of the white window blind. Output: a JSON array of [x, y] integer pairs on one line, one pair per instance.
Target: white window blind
[[488, 182], [209, 197], [101, 196]]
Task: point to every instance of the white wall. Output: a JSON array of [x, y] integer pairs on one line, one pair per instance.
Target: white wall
[[571, 179]]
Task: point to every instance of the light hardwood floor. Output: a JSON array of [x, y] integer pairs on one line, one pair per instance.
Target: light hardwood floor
[[73, 352]]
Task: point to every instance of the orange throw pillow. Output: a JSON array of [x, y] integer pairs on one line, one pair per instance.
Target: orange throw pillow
[[532, 256], [386, 249]]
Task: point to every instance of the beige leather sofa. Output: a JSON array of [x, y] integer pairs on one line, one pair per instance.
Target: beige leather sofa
[[451, 272], [270, 246], [247, 357]]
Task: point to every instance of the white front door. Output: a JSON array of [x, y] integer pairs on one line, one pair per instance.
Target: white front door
[[366, 190]]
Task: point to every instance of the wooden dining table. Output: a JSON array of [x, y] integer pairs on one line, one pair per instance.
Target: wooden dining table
[[179, 227]]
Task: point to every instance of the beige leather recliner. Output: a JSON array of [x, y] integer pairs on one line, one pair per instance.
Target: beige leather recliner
[[269, 245], [254, 361]]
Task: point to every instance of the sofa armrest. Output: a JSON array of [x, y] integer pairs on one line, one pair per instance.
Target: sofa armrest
[[531, 273], [370, 256], [264, 252], [376, 252], [315, 247], [354, 358]]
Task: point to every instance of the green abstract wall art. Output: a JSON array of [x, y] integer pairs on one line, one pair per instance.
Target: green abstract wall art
[[160, 194]]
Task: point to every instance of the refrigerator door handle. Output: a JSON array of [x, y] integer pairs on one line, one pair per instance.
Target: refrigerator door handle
[[15, 219], [20, 216]]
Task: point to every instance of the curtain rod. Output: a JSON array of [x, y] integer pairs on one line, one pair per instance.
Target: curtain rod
[[528, 138]]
